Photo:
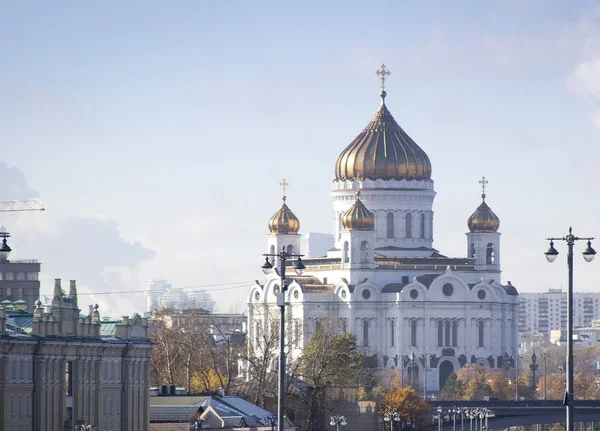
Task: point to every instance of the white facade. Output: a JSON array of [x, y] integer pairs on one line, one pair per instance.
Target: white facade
[[160, 294], [540, 313], [391, 288]]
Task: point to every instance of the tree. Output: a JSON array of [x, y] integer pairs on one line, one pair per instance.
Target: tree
[[453, 389], [329, 359], [410, 407], [475, 378], [500, 387]]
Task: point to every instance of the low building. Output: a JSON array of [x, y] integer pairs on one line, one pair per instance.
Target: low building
[[59, 368], [582, 337]]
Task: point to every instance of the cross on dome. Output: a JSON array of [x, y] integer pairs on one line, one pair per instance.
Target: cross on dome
[[383, 74], [284, 185], [483, 183]]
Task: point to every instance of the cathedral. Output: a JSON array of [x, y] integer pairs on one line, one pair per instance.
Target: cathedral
[[418, 310]]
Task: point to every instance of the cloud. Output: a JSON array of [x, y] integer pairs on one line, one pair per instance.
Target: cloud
[[90, 250], [13, 185]]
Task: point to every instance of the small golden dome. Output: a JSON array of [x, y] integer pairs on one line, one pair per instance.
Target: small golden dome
[[284, 222], [358, 217], [483, 219], [383, 151]]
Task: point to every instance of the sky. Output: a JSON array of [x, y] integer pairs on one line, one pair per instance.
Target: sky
[[156, 134]]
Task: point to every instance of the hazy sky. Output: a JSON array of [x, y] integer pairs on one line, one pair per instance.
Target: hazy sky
[[156, 133]]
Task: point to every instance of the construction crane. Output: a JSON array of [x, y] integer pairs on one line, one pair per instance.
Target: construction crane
[[15, 206]]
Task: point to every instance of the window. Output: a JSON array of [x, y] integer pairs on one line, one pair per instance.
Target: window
[[440, 333], [390, 225], [20, 276], [8, 292], [472, 251], [413, 333], [454, 334], [480, 330], [392, 332], [272, 258], [447, 334], [290, 249], [10, 276], [490, 256], [345, 256], [408, 225], [20, 293], [365, 340], [422, 225], [258, 333], [364, 252]]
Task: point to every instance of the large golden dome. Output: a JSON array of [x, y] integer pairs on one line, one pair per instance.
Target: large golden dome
[[483, 219], [284, 222], [383, 151], [358, 217]]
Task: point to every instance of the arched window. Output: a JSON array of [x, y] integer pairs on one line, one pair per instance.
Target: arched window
[[338, 221], [364, 252], [472, 251], [490, 255], [290, 249], [413, 333], [480, 330], [440, 333], [447, 337], [390, 225], [409, 225], [422, 225], [272, 258], [345, 256], [365, 340], [392, 332], [454, 333], [297, 333], [257, 334]]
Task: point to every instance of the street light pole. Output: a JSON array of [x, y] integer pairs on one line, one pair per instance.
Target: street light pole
[[588, 255], [337, 421], [425, 356], [545, 357], [391, 417], [299, 268]]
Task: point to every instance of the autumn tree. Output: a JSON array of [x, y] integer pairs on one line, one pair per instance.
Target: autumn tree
[[410, 407], [453, 389], [475, 379]]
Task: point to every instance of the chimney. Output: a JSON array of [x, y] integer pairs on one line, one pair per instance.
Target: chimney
[[73, 292]]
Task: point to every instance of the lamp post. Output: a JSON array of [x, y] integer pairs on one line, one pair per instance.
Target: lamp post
[[516, 358], [439, 417], [425, 356], [546, 356], [272, 420], [391, 417], [299, 268], [588, 255], [197, 424], [337, 421], [84, 427]]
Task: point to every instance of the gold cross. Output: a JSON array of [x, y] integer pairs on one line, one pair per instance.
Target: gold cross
[[383, 73], [483, 183], [284, 185]]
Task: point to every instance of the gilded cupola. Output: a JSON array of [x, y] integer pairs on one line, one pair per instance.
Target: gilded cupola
[[284, 222], [483, 219], [358, 217], [383, 150]]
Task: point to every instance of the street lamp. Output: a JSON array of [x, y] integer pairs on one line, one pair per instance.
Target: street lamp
[[271, 420], [337, 421], [425, 356], [84, 427], [588, 254], [439, 417], [391, 417], [299, 268], [546, 356], [197, 424]]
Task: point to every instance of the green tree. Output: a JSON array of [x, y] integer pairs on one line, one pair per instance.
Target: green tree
[[329, 359], [453, 389]]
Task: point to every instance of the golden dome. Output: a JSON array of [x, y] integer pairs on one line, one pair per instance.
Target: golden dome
[[483, 219], [358, 217], [284, 222], [383, 151]]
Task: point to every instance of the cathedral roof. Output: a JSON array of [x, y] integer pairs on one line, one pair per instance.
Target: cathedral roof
[[383, 151], [284, 222], [358, 217], [510, 289], [311, 284], [483, 219]]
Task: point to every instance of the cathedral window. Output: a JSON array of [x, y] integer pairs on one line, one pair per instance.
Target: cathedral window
[[408, 225], [490, 255], [422, 225], [390, 225], [365, 340], [290, 249], [454, 334], [447, 334], [413, 333], [440, 333], [272, 258], [345, 256], [258, 332], [480, 333], [392, 332], [364, 252], [472, 251], [296, 333]]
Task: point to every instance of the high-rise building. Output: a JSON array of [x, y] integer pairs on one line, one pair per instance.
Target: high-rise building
[[540, 313], [19, 279]]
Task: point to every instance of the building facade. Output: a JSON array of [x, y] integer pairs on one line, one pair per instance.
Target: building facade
[[541, 313], [19, 279], [417, 309], [162, 295], [59, 368]]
